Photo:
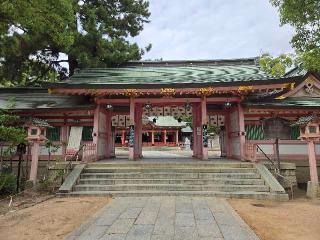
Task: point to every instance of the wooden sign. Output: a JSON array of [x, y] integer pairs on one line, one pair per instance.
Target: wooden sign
[[205, 135]]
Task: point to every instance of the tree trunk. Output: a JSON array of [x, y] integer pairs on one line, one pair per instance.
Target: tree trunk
[[73, 64]]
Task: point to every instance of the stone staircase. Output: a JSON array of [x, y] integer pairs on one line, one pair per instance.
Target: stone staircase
[[221, 179]]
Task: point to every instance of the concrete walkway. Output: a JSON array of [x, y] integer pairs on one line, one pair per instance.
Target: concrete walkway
[[165, 218]]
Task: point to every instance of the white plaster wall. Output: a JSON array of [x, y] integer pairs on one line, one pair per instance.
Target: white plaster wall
[[44, 151], [267, 148], [293, 149], [300, 149]]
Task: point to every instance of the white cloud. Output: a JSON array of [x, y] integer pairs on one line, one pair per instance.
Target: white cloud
[[213, 29]]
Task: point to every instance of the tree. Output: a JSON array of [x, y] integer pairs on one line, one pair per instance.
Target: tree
[[276, 66], [11, 134], [304, 17], [38, 36]]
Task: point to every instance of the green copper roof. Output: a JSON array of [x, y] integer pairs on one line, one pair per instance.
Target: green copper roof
[[168, 72], [39, 99], [289, 102]]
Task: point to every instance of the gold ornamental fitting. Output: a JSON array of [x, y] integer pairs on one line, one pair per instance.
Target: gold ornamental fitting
[[167, 92], [51, 91], [245, 88], [204, 92], [93, 92], [131, 93]]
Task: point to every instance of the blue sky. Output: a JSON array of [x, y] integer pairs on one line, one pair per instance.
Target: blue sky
[[213, 29]]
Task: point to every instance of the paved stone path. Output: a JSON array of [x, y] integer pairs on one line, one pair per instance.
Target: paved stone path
[[165, 218]]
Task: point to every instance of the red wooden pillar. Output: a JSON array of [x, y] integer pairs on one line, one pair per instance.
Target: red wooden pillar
[[152, 137], [165, 137], [197, 131], [99, 133], [227, 141], [108, 135], [138, 131], [177, 137], [241, 132], [35, 159], [204, 132], [123, 138], [312, 162], [96, 125], [64, 140]]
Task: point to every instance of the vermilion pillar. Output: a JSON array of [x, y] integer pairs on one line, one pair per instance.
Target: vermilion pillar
[[34, 163], [312, 162], [108, 135], [138, 131], [64, 139], [227, 142], [177, 137], [241, 131], [152, 137], [102, 132], [123, 137], [197, 130]]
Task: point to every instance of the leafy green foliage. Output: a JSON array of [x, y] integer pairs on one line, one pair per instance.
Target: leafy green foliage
[[304, 16], [11, 130], [51, 181], [275, 66], [36, 36], [7, 183]]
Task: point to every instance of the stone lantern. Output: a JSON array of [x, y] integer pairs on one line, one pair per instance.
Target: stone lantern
[[36, 133], [310, 132], [36, 136]]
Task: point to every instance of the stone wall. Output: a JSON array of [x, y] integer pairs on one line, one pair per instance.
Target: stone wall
[[26, 169], [303, 172], [288, 170]]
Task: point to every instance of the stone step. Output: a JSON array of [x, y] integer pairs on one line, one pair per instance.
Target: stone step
[[171, 187], [171, 175], [174, 165], [236, 194], [102, 181], [180, 170]]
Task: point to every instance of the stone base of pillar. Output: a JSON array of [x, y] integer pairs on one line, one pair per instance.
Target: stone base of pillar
[[313, 190]]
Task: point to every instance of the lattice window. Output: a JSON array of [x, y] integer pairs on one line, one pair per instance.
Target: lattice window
[[53, 133], [254, 132]]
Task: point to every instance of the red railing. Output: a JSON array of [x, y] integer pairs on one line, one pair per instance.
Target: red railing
[[89, 152], [251, 151]]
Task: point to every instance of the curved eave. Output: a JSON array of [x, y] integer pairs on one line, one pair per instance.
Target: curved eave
[[174, 84], [45, 110]]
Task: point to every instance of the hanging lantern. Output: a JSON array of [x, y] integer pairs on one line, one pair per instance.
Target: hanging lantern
[[109, 106]]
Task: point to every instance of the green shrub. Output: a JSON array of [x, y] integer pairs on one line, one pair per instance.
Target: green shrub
[[7, 183], [50, 182]]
